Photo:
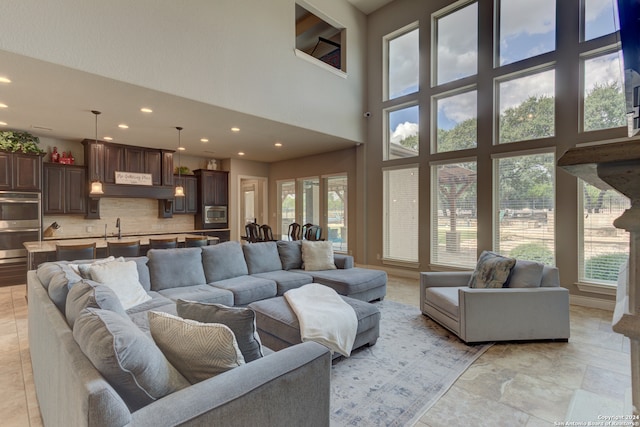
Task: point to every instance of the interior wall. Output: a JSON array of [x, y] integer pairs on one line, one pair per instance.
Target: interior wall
[[239, 169], [234, 54], [337, 162]]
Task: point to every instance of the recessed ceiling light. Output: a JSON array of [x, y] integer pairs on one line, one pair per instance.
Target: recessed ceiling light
[[108, 138], [3, 124], [235, 129], [4, 106], [123, 126], [278, 144], [181, 148], [241, 153], [146, 110], [4, 80], [204, 140]]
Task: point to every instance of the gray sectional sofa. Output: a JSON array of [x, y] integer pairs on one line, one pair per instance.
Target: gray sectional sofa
[[288, 387]]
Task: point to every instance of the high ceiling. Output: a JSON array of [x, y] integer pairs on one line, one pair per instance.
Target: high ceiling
[[52, 101]]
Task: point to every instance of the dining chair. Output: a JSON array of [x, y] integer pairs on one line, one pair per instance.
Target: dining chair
[[294, 231], [168, 243], [304, 229], [193, 242], [266, 233], [75, 252], [253, 232], [126, 249], [313, 233]]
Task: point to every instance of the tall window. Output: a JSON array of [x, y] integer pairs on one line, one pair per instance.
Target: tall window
[[527, 28], [454, 234], [527, 108], [287, 211], [402, 136], [604, 104], [337, 211], [457, 121], [401, 219], [603, 247], [525, 219], [310, 191], [402, 59], [457, 51]]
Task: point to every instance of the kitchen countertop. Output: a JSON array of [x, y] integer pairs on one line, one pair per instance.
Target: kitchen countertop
[[50, 245]]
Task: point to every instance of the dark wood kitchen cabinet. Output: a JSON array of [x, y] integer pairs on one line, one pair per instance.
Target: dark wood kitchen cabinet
[[189, 203], [20, 171], [213, 187], [113, 161], [134, 159], [153, 165], [64, 189]]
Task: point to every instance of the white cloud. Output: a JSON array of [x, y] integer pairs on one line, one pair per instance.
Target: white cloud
[[604, 69], [458, 50], [403, 62], [404, 130], [526, 16], [593, 8], [460, 107], [514, 92]]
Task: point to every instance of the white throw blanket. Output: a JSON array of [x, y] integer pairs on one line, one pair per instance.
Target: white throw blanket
[[324, 317]]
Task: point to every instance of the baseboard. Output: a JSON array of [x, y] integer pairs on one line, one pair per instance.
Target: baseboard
[[592, 302]]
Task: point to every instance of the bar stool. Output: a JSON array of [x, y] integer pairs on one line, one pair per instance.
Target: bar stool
[[75, 252], [126, 249], [193, 242], [168, 243]]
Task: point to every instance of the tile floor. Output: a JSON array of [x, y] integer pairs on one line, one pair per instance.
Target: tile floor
[[531, 384]]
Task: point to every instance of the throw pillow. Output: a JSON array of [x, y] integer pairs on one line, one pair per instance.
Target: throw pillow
[[174, 268], [223, 261], [122, 278], [492, 271], [262, 257], [290, 254], [525, 274], [317, 255], [83, 269], [197, 350], [126, 357], [241, 321], [90, 294]]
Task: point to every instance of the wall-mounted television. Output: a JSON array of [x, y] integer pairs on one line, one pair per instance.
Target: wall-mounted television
[[629, 14]]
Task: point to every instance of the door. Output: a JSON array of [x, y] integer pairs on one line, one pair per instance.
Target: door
[[252, 202]]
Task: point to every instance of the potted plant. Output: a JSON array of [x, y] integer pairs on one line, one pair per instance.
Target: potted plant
[[17, 141]]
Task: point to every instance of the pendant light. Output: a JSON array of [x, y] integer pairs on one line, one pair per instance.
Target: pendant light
[[96, 185], [179, 189]]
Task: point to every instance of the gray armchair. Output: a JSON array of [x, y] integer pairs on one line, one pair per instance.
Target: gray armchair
[[499, 314]]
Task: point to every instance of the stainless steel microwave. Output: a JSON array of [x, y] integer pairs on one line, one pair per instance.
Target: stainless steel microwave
[[215, 214]]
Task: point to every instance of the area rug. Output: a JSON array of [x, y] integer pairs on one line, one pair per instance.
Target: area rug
[[394, 382]]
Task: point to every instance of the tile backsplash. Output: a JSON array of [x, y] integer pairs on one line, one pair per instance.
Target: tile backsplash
[[137, 216]]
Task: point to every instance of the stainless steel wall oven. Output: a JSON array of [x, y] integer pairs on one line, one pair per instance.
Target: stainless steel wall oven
[[20, 221]]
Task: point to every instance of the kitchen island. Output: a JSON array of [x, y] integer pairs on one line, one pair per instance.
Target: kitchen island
[[45, 250]]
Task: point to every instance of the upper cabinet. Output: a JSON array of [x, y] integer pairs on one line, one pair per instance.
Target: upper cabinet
[[20, 172], [64, 189], [104, 159], [214, 187], [189, 203]]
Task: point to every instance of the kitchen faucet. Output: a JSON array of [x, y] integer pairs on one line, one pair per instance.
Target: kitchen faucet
[[118, 227]]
